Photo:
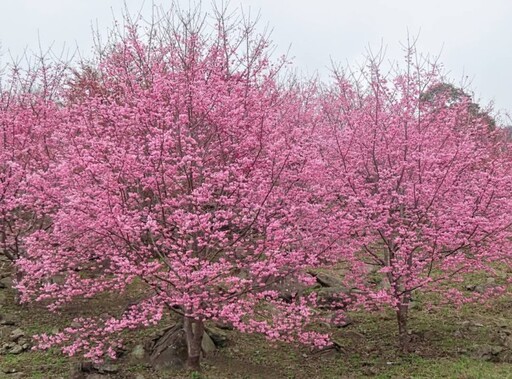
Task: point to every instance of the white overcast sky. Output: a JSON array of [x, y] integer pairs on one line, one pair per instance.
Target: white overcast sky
[[474, 37]]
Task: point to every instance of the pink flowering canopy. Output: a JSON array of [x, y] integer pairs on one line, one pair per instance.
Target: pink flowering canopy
[[182, 167], [424, 186], [27, 150]]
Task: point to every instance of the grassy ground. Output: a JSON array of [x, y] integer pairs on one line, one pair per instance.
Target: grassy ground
[[446, 343]]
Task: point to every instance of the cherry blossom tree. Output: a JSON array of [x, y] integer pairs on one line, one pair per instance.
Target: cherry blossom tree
[[28, 146], [424, 186], [183, 167]]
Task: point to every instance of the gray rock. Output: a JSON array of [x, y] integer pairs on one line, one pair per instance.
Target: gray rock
[[168, 350], [219, 336], [7, 319], [480, 288], [505, 338], [488, 352], [472, 325], [327, 280], [86, 366], [6, 282], [6, 347], [505, 356], [207, 344], [138, 352], [16, 334], [17, 349], [107, 368], [224, 325], [503, 323]]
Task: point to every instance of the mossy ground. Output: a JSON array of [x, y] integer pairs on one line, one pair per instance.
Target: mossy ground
[[443, 345]]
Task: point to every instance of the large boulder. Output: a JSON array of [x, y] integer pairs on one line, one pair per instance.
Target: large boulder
[[218, 335], [207, 344], [325, 279], [168, 350]]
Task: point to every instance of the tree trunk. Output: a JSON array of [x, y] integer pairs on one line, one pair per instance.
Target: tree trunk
[[194, 330], [19, 277], [402, 315]]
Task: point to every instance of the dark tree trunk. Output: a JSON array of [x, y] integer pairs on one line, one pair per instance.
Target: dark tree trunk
[[194, 330], [402, 315]]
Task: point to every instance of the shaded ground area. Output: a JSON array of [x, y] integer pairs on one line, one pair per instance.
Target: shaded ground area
[[472, 342]]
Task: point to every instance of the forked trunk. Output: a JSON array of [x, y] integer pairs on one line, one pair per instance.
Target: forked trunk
[[194, 330]]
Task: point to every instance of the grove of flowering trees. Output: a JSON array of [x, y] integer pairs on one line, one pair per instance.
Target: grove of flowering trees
[[27, 149], [425, 187], [185, 160]]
